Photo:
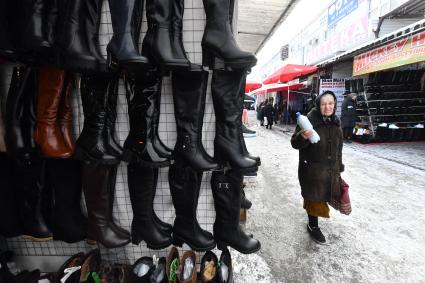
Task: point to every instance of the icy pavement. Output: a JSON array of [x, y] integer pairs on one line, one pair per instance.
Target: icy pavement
[[383, 240]]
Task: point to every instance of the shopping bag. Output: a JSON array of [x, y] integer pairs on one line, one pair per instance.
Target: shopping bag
[[343, 203]]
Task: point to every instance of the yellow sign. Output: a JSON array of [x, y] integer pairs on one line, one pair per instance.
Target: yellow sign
[[399, 53]]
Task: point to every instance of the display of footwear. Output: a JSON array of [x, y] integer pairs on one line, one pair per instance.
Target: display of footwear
[[316, 234], [141, 270], [172, 263], [225, 268], [208, 267], [187, 271]]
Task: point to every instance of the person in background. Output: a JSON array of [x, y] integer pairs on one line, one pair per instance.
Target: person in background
[[320, 164], [269, 112], [260, 112], [348, 115]]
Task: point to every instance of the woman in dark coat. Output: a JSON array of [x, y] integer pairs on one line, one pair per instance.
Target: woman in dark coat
[[348, 115], [320, 164], [269, 112]]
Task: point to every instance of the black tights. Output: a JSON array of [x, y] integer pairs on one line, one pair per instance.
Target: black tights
[[313, 221]]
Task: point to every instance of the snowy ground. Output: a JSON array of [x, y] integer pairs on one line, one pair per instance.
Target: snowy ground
[[383, 240]]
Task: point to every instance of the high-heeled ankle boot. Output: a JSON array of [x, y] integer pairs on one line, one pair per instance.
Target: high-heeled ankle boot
[[48, 134], [189, 93], [141, 93], [229, 147], [157, 44], [218, 40], [226, 188], [121, 48], [144, 228], [185, 184], [96, 188]]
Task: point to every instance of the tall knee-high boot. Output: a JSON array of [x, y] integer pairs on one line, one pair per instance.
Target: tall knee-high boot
[[96, 187], [141, 93], [32, 26], [29, 179], [157, 44], [65, 113], [122, 49], [91, 142], [70, 37], [226, 188], [20, 112], [185, 184], [161, 224], [218, 40], [48, 134], [63, 177], [189, 93], [91, 28], [111, 141], [141, 185], [177, 30], [229, 147], [10, 223]]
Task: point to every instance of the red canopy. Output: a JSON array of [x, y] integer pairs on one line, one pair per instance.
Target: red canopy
[[289, 72], [250, 86], [278, 87]]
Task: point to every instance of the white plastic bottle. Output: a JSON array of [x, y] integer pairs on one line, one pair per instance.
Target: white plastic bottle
[[305, 124]]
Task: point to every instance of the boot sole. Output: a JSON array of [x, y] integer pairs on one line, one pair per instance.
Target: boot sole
[[130, 157], [37, 239], [209, 58], [178, 241], [223, 246]]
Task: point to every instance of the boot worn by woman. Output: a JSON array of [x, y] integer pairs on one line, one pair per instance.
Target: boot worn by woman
[[218, 40]]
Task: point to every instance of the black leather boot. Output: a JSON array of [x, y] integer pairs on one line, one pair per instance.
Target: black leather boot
[[20, 112], [189, 93], [218, 40], [111, 140], [245, 203], [29, 176], [141, 92], [96, 187], [63, 177], [177, 31], [226, 189], [164, 226], [162, 150], [229, 146], [6, 46], [92, 24], [143, 228], [121, 49], [9, 211], [157, 44], [225, 268], [33, 26], [185, 184], [91, 142], [71, 39]]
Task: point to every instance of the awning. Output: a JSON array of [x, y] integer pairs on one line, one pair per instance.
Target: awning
[[278, 87], [289, 72], [250, 86]]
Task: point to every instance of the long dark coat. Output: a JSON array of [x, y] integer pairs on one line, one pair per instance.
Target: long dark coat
[[348, 113], [269, 112], [320, 164]]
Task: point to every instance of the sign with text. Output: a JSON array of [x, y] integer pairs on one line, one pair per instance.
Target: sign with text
[[402, 52], [337, 86], [339, 9]]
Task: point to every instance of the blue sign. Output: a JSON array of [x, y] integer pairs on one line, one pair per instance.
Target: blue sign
[[339, 9]]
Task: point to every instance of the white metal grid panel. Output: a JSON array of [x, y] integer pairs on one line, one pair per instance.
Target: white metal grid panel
[[193, 27]]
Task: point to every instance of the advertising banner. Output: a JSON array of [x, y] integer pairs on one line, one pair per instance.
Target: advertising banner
[[339, 9], [399, 53], [338, 87]]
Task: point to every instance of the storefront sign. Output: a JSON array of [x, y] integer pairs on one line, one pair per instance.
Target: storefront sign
[[339, 9], [337, 86], [399, 53]]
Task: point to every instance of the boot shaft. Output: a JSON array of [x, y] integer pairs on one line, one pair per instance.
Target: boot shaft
[[159, 13], [94, 98], [226, 189], [217, 10], [121, 15]]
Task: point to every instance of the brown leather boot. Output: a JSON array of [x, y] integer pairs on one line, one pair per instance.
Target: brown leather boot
[[65, 113], [47, 134]]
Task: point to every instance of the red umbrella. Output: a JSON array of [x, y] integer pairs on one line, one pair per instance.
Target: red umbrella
[[278, 87], [250, 86], [289, 72]]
